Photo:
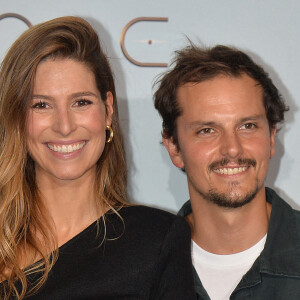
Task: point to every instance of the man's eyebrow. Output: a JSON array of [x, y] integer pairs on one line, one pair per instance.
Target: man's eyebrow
[[196, 124], [200, 124], [252, 118]]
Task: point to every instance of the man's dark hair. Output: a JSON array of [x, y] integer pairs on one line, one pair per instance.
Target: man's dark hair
[[194, 64]]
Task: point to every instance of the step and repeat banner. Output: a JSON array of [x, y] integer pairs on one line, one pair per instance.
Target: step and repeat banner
[[140, 38]]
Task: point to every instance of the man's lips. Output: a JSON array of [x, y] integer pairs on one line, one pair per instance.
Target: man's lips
[[227, 167], [230, 171]]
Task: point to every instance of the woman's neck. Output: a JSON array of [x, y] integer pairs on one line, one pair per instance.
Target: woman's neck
[[71, 204]]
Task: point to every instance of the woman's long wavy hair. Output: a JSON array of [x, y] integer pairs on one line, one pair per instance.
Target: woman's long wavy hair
[[21, 212]]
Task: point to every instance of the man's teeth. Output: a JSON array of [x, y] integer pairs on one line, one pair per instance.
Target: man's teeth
[[66, 148], [230, 171]]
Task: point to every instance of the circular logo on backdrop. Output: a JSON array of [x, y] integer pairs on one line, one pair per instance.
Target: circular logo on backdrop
[[11, 26], [16, 16], [149, 41]]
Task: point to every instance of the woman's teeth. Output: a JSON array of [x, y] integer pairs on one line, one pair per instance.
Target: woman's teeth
[[66, 148]]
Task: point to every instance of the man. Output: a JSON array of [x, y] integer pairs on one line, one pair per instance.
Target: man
[[219, 112]]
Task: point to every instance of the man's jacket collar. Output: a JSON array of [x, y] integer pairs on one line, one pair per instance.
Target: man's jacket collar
[[281, 254]]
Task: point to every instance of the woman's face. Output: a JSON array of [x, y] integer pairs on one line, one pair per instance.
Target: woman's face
[[66, 120]]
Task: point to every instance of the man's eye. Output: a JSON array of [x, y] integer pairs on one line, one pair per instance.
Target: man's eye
[[83, 102], [248, 126], [206, 131], [40, 105]]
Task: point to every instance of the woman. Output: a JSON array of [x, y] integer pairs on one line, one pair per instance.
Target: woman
[[67, 231]]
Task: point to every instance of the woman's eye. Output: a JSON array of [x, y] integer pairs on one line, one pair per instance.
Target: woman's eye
[[83, 102], [206, 131], [248, 126], [40, 105]]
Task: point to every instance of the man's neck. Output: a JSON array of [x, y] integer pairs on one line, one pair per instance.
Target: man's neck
[[226, 231]]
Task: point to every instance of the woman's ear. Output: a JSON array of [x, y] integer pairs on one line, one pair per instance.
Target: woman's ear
[[109, 107]]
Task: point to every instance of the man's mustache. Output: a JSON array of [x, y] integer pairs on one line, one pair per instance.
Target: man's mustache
[[226, 161]]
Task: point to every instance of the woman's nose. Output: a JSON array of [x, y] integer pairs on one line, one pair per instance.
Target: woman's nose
[[64, 122]]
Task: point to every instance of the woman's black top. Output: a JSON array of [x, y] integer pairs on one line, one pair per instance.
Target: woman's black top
[[145, 255]]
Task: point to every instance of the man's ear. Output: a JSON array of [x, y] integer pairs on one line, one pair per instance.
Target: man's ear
[[109, 102], [272, 141], [174, 152]]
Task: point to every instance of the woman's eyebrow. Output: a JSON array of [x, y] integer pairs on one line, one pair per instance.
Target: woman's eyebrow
[[84, 93], [40, 96], [74, 95]]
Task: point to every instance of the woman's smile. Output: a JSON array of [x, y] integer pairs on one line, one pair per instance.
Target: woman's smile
[[66, 148]]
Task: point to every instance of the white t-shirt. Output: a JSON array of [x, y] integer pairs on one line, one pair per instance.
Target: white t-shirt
[[220, 274]]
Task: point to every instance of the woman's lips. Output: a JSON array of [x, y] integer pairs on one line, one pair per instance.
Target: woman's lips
[[63, 148]]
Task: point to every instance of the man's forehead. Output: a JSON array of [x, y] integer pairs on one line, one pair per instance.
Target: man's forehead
[[244, 84], [242, 75], [222, 96]]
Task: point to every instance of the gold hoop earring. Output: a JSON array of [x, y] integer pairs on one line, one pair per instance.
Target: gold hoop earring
[[111, 134]]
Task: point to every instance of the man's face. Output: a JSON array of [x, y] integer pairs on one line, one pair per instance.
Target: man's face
[[225, 142]]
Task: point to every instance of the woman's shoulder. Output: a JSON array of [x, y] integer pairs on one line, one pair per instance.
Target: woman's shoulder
[[146, 212], [149, 220]]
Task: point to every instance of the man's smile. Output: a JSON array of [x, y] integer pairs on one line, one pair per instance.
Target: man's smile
[[230, 171]]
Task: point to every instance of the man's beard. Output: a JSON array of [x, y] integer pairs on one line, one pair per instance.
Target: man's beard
[[227, 200], [230, 199]]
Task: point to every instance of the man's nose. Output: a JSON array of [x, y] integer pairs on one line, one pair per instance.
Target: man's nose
[[231, 145]]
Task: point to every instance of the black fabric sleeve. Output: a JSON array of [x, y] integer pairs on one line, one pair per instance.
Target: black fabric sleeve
[[174, 280]]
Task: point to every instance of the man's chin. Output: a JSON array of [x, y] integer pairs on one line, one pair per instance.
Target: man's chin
[[232, 199]]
